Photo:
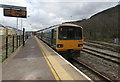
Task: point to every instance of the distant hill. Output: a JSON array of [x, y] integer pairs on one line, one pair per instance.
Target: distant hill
[[102, 26]]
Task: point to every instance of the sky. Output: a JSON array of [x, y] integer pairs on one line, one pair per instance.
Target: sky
[[44, 13]]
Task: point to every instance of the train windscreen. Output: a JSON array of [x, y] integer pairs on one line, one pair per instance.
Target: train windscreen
[[70, 33]]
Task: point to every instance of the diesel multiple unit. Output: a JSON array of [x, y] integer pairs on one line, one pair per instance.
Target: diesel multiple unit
[[63, 37]]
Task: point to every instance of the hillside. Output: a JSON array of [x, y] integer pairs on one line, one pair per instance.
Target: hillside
[[102, 26]]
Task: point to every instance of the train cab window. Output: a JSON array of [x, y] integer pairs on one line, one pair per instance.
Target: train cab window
[[62, 33], [70, 33]]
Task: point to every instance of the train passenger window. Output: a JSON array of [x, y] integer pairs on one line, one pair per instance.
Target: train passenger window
[[70, 33]]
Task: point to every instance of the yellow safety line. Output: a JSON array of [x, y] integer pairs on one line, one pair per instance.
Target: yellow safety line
[[61, 73], [49, 64], [52, 69]]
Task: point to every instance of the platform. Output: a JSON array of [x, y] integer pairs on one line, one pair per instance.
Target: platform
[[37, 61]]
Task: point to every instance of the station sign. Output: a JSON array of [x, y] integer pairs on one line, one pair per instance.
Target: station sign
[[15, 13]]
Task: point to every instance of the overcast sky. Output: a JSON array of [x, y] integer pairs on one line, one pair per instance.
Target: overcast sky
[[45, 13]]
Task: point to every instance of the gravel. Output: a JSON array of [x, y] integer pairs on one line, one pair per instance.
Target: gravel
[[105, 67]]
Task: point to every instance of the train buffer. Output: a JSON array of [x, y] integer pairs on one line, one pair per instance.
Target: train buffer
[[37, 61]]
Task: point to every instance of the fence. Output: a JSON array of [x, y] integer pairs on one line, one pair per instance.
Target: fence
[[9, 44]]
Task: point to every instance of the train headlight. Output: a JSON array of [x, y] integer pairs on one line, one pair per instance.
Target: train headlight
[[80, 45], [59, 45]]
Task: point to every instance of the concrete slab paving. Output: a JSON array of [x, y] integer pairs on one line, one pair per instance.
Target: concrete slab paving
[[28, 64]]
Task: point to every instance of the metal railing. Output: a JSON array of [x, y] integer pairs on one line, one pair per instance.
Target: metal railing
[[9, 44]]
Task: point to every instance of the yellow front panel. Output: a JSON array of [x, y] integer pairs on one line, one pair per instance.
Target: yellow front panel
[[69, 44]]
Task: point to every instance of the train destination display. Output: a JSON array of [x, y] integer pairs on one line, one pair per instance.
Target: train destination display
[[15, 13]]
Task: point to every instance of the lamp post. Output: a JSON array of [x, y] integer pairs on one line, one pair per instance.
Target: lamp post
[[21, 23], [17, 23]]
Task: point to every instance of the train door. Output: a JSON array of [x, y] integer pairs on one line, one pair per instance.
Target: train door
[[53, 38], [41, 35], [52, 35]]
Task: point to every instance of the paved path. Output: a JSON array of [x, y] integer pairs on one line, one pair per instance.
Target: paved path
[[28, 64]]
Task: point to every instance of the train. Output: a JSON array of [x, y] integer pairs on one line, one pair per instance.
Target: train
[[63, 37]]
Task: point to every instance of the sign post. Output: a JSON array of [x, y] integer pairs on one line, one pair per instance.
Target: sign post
[[15, 11], [23, 36]]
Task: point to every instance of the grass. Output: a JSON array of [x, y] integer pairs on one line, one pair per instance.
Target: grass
[[3, 40], [9, 52], [4, 55]]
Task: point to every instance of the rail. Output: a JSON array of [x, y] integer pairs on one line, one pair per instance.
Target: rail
[[90, 71], [102, 55]]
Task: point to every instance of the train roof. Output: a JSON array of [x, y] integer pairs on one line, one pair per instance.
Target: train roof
[[69, 24], [65, 24]]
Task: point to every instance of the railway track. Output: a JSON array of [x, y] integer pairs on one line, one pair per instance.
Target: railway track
[[111, 58], [106, 46], [93, 74]]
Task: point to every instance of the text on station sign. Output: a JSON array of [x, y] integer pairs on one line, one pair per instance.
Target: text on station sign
[[15, 13]]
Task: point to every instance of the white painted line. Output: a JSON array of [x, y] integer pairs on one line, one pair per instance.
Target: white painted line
[[70, 64]]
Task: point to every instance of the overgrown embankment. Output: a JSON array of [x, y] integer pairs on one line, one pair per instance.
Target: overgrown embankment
[[103, 26]]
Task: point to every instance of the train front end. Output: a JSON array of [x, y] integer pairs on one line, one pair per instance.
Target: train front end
[[70, 38]]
